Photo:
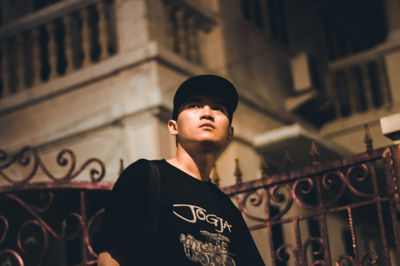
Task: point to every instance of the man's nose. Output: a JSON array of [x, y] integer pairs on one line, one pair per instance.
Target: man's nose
[[207, 112]]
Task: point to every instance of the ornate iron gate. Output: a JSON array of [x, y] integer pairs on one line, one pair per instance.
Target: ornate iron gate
[[356, 198], [345, 212], [53, 222]]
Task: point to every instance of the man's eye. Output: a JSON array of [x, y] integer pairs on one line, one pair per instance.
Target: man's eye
[[193, 105], [218, 108]]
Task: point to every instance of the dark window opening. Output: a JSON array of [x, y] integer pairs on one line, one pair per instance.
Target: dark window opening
[[277, 20], [39, 4], [353, 26], [270, 11]]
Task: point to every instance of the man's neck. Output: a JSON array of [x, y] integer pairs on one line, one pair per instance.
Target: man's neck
[[197, 165]]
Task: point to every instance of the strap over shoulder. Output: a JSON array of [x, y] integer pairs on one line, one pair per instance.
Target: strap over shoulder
[[152, 211]]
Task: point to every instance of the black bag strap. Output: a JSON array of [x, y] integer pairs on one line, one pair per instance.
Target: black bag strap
[[153, 209]]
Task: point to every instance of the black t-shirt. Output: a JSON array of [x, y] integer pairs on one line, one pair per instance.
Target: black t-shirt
[[198, 224]]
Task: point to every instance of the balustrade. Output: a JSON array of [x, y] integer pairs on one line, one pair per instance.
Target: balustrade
[[361, 87], [184, 26], [37, 53]]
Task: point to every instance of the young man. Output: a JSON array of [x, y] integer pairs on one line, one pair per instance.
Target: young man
[[197, 223]]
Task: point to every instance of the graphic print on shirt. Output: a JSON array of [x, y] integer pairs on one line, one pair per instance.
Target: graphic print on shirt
[[214, 250], [200, 214]]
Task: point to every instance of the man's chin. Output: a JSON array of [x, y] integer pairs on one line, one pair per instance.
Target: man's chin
[[211, 145]]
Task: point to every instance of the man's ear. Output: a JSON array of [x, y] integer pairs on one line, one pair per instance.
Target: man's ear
[[230, 133], [172, 127]]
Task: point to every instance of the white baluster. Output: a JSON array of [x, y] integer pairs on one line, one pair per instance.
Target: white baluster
[[52, 49], [169, 25], [103, 40], [383, 82], [85, 36], [194, 50], [182, 47], [69, 45], [367, 86], [36, 59], [21, 64], [5, 70]]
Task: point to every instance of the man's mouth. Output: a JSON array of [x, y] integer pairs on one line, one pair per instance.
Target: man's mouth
[[210, 126]]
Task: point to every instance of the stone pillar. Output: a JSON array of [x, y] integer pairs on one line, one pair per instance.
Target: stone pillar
[[147, 136], [393, 19], [131, 24]]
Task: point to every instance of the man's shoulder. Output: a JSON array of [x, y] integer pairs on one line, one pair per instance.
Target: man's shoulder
[[133, 173], [139, 168]]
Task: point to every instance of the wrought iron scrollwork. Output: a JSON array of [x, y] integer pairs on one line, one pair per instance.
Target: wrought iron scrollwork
[[65, 158], [13, 254], [284, 256], [27, 230], [72, 227]]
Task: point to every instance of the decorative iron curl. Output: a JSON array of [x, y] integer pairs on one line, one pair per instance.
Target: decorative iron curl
[[48, 203], [370, 256], [45, 239], [321, 247], [307, 189], [90, 223], [293, 250], [278, 197], [63, 161], [365, 173], [64, 236], [95, 175], [259, 197], [328, 182], [6, 226], [13, 253], [64, 158]]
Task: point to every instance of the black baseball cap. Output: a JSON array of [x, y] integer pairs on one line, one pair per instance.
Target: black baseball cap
[[212, 84]]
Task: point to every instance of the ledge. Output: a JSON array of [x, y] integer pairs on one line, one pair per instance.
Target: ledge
[[296, 140], [378, 51]]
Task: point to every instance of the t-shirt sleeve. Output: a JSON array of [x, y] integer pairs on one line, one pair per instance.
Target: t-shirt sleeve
[[249, 250], [122, 226]]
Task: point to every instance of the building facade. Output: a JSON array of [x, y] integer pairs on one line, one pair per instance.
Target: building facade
[[98, 76]]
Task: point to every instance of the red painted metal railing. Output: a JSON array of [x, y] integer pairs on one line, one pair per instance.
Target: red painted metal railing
[[52, 222], [357, 197], [341, 213]]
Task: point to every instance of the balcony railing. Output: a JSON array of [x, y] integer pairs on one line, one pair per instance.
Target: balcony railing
[[55, 41], [341, 213], [360, 85], [185, 25]]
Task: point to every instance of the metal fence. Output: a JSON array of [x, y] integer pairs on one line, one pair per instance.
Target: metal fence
[[344, 212], [340, 213], [55, 221]]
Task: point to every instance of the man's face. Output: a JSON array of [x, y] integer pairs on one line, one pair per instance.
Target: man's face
[[203, 120]]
